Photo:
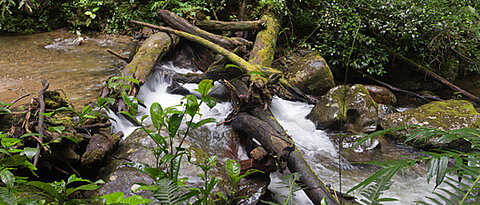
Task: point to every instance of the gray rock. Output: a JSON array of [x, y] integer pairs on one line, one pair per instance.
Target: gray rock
[[444, 115], [351, 105], [312, 75]]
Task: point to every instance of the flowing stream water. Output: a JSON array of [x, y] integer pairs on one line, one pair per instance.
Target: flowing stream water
[[79, 66], [316, 145]]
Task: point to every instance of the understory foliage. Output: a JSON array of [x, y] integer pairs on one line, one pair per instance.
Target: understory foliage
[[441, 34], [457, 171]]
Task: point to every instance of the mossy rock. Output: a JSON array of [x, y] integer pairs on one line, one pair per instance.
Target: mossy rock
[[444, 115], [312, 75], [53, 100], [351, 106], [381, 94]]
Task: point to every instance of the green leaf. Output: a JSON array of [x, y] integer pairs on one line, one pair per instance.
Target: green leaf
[[209, 101], [48, 114], [58, 129], [7, 177], [8, 142], [257, 73], [202, 122], [29, 152], [115, 197], [174, 123], [204, 87], [168, 192], [233, 170], [6, 196], [442, 171], [192, 105], [157, 115], [233, 66], [45, 187], [13, 161]]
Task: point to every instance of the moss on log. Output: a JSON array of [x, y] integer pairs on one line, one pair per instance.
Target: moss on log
[[153, 49]]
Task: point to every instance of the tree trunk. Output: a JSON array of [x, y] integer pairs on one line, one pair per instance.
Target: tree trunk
[[213, 25]]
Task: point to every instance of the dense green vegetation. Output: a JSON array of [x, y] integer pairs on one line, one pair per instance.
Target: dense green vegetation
[[441, 34]]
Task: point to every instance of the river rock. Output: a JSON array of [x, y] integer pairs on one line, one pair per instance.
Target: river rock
[[381, 94], [444, 115], [312, 75], [350, 104]]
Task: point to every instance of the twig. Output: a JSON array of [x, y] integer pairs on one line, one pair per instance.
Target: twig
[[41, 118], [118, 55], [19, 98]]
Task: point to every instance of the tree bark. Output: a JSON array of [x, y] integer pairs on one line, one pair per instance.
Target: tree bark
[[213, 25], [433, 75], [179, 23], [152, 49]]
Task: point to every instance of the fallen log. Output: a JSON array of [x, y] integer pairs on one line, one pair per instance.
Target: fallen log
[[152, 49], [213, 25], [179, 23], [433, 75], [274, 142]]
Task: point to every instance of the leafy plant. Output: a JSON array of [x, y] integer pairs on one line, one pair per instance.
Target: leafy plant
[[465, 166], [118, 198], [233, 169], [289, 181], [204, 194], [4, 108], [57, 192]]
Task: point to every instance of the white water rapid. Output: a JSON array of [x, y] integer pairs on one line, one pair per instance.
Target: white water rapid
[[316, 146]]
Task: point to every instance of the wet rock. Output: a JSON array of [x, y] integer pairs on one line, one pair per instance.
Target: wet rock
[[381, 94], [184, 56], [312, 75], [98, 147], [351, 105], [444, 115], [176, 88]]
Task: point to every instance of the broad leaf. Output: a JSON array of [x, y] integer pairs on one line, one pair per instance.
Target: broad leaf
[[209, 101], [174, 123], [7, 177], [204, 87]]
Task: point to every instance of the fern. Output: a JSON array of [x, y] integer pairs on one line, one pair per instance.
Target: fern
[[373, 192], [168, 192]]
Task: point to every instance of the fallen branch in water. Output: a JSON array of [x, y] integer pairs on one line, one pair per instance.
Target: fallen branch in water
[[19, 98], [118, 55]]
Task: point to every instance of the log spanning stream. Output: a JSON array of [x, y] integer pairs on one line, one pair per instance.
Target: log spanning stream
[[316, 145]]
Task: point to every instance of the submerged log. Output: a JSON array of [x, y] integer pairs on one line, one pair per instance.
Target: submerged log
[[181, 24], [153, 49], [213, 25]]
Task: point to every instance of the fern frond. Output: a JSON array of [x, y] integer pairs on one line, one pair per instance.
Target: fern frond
[[168, 192], [373, 192]]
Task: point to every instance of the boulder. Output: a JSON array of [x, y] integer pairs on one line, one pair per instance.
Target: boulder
[[350, 106], [444, 115], [312, 75], [381, 94]]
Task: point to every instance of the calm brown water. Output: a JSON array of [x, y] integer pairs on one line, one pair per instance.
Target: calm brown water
[[77, 65]]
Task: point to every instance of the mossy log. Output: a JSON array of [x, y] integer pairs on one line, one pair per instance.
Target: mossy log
[[152, 49], [179, 23], [213, 25]]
